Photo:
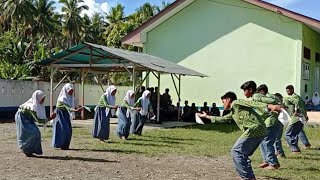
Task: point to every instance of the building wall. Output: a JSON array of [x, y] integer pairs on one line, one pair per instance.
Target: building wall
[[311, 40], [14, 93], [231, 44]]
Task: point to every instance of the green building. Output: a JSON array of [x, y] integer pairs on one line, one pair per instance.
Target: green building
[[233, 41]]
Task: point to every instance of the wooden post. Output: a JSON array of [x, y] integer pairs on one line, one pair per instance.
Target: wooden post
[[158, 99], [82, 92]]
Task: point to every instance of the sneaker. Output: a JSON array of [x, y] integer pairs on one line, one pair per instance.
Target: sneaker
[[263, 165]]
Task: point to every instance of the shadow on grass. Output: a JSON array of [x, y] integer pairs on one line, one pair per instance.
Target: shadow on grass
[[314, 158], [67, 158], [160, 141], [148, 144], [218, 127], [273, 178], [170, 138], [107, 150]]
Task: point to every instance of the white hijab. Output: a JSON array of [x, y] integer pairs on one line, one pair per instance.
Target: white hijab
[[110, 99], [316, 99], [306, 99], [67, 99], [145, 103], [129, 100], [33, 104]]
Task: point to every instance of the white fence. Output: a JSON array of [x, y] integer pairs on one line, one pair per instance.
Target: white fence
[[14, 93]]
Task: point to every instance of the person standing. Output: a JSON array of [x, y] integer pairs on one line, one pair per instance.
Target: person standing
[[126, 113], [103, 111], [245, 114], [270, 160], [141, 116], [62, 129], [28, 134], [298, 112]]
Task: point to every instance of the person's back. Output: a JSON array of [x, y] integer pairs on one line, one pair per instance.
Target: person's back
[[248, 120]]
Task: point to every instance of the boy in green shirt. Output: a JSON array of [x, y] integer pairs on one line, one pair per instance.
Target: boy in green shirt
[[297, 110], [245, 114]]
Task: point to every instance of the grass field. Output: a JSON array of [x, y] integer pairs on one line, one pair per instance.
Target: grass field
[[205, 141]]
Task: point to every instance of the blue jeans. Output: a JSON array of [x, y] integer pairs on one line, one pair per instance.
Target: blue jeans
[[266, 146], [292, 135], [303, 137], [278, 143], [242, 149]]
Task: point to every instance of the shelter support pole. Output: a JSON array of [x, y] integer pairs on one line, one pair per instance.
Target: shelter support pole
[[179, 98], [134, 78], [82, 91], [64, 77], [96, 78], [177, 91], [51, 89], [158, 99], [140, 84]]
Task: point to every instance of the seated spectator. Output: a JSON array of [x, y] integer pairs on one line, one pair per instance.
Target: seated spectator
[[316, 101], [214, 110], [309, 105], [205, 108], [186, 111]]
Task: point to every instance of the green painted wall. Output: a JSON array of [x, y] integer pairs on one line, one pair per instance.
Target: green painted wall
[[231, 45], [311, 40]]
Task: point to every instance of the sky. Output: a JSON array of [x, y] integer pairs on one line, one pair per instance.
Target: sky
[[309, 8]]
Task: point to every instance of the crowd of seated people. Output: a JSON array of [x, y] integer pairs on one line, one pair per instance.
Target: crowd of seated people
[[313, 104]]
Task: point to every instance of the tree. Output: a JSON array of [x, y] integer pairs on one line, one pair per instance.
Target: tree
[[43, 21], [72, 20]]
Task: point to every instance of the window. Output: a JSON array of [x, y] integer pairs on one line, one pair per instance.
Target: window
[[306, 53], [317, 57], [306, 71]]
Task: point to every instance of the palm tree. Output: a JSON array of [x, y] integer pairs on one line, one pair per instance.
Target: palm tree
[[163, 5], [97, 24], [44, 22], [72, 19], [19, 11]]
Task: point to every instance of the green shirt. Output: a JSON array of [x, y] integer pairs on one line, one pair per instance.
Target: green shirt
[[270, 119], [63, 106], [103, 102], [126, 105], [247, 115], [33, 114], [138, 104], [294, 102]]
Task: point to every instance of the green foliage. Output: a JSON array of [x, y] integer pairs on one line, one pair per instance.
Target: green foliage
[[30, 31]]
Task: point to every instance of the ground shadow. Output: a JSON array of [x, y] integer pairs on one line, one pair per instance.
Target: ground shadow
[[174, 139], [273, 178], [219, 127], [304, 157], [116, 151], [149, 144], [68, 158], [161, 141]]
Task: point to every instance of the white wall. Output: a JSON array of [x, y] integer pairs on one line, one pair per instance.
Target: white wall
[[14, 93]]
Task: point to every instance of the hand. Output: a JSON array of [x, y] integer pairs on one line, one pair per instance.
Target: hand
[[137, 109], [202, 115], [53, 115], [115, 107], [79, 109], [275, 108]]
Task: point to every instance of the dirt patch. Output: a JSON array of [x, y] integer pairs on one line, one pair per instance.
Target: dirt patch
[[85, 164]]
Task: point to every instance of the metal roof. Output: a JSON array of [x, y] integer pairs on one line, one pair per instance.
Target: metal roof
[[103, 59]]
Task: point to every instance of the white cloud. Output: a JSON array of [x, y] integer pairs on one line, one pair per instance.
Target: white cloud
[[101, 8], [283, 3]]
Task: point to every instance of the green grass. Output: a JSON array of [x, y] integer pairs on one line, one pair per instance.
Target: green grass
[[203, 140]]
